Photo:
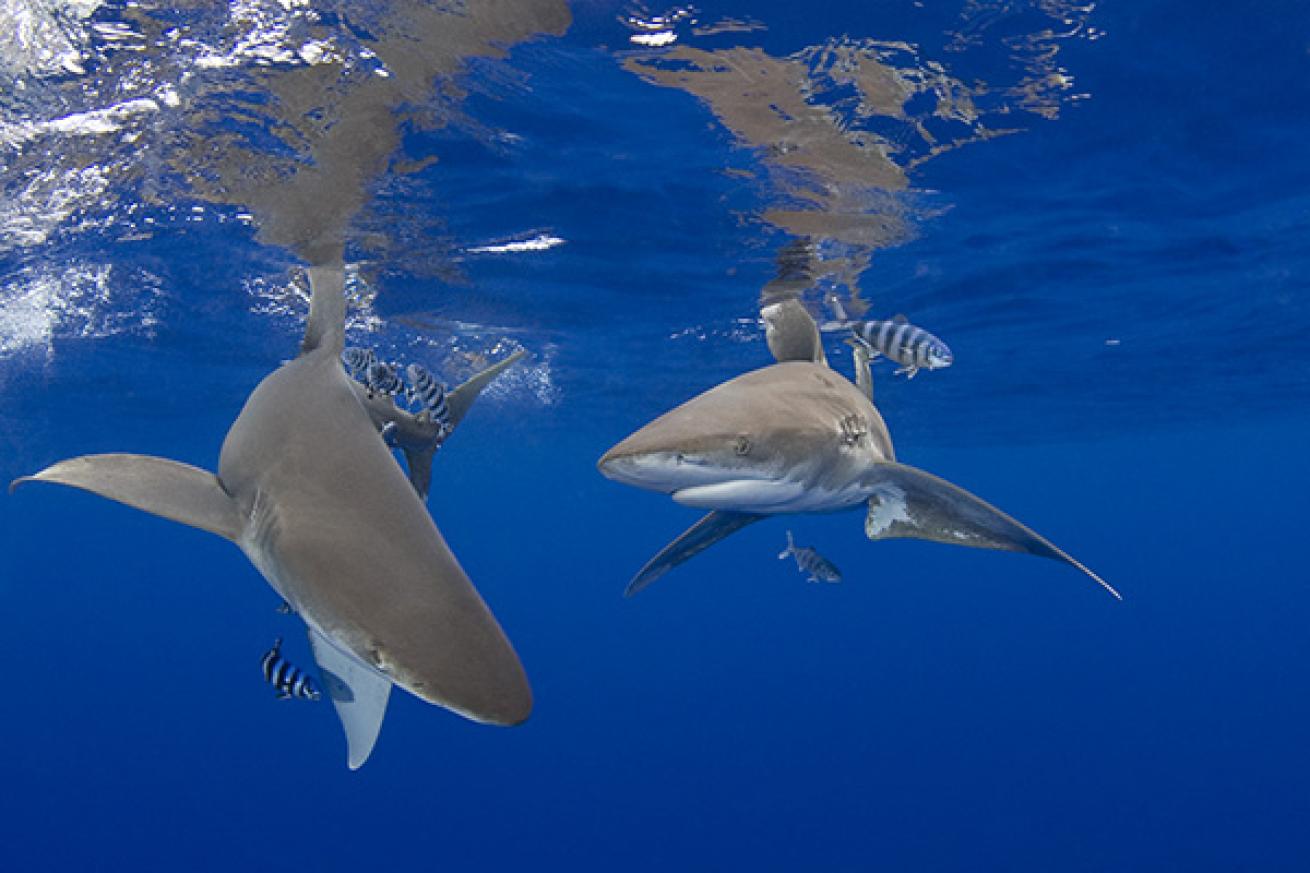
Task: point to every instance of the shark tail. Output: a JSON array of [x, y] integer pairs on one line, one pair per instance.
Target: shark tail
[[459, 400], [907, 502], [419, 461]]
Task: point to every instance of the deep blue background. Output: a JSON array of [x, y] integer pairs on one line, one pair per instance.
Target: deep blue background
[[942, 709]]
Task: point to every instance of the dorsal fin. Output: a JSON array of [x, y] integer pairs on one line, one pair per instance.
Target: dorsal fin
[[791, 333], [326, 326], [899, 318]]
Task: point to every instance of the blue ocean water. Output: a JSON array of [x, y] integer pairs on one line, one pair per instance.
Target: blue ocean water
[[1101, 207]]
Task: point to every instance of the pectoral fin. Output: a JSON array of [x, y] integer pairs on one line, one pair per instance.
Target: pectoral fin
[[907, 502], [359, 693], [696, 539], [176, 491]]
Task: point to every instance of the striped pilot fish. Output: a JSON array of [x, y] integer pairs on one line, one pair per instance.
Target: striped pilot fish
[[819, 568], [430, 394], [912, 347], [288, 679], [383, 378], [357, 361]]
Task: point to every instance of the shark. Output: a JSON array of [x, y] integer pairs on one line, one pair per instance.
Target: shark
[[311, 494], [797, 437]]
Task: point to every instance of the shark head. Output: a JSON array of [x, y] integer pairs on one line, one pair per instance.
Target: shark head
[[678, 453], [758, 444]]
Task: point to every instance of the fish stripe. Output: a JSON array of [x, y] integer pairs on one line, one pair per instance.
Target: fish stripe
[[921, 351], [881, 343], [914, 342], [894, 350]]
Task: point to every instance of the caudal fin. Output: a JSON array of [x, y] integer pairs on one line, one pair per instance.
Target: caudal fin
[[459, 400], [907, 502], [420, 469], [419, 461]]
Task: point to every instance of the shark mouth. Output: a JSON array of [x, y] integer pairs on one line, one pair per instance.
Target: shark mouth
[[702, 484], [764, 496], [771, 496], [669, 472]]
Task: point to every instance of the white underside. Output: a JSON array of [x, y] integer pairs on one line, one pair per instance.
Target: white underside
[[359, 693], [887, 507], [768, 496]]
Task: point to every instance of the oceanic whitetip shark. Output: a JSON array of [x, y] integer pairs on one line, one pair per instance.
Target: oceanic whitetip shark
[[311, 494], [797, 437]]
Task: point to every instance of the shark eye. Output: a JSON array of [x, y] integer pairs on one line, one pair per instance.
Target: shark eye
[[742, 446]]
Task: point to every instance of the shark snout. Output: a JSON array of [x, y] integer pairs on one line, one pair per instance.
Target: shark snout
[[666, 471]]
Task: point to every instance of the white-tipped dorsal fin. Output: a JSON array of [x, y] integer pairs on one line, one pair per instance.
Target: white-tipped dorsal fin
[[172, 490], [358, 692]]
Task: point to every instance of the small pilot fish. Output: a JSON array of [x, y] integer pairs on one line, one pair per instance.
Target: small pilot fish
[[357, 361], [289, 680], [912, 347], [819, 568], [430, 393], [382, 378]]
